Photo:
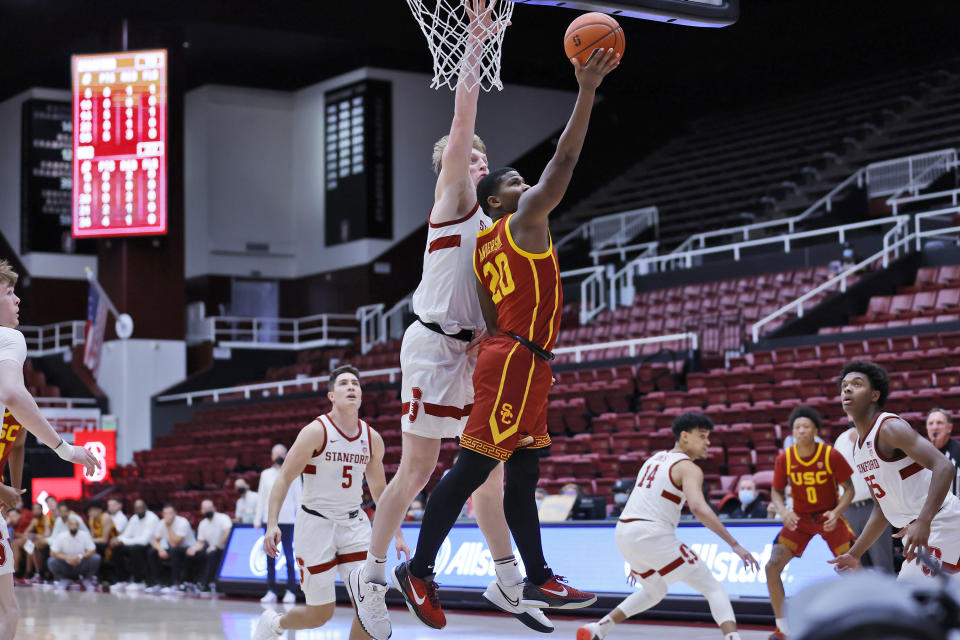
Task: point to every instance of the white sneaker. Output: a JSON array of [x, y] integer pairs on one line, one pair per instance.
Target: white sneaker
[[154, 589], [63, 584], [119, 587], [88, 585], [367, 599], [507, 599], [589, 631], [136, 586], [169, 591], [265, 626], [289, 598], [269, 598]]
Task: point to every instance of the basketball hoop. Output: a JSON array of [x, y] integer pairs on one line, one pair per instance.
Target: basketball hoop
[[465, 38]]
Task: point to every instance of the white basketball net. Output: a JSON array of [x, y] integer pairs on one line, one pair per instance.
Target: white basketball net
[[465, 39]]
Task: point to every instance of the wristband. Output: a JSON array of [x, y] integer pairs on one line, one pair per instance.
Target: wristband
[[64, 450]]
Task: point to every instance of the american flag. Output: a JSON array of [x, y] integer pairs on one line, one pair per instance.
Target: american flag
[[96, 325]]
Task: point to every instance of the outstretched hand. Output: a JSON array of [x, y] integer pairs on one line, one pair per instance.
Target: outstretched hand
[[749, 561], [482, 25], [598, 65], [844, 562]]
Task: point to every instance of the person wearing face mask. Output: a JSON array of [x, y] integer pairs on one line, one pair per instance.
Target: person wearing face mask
[[130, 548], [73, 555], [746, 503], [203, 558], [288, 515], [415, 512], [246, 507]]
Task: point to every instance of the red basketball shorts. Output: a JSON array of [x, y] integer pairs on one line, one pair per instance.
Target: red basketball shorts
[[811, 524], [510, 389]]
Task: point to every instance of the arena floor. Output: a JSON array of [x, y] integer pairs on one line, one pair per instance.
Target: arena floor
[[49, 614]]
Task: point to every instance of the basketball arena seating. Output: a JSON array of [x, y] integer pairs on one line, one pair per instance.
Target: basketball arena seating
[[36, 382], [776, 160], [933, 297]]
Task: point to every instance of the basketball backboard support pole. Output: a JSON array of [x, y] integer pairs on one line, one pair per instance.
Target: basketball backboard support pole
[[690, 13]]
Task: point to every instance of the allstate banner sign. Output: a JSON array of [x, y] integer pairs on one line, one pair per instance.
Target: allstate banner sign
[[585, 554]]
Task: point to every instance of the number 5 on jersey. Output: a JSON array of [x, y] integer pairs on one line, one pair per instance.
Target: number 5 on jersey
[[501, 280]]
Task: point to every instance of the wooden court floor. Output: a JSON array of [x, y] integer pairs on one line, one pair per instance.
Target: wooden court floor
[[50, 614]]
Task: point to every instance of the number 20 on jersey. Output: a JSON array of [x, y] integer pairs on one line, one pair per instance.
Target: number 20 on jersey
[[501, 280]]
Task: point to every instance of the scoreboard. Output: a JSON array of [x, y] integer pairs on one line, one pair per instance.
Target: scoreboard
[[119, 144]]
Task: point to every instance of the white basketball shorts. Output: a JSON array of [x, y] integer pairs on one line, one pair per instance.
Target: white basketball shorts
[[653, 553], [6, 552], [323, 546], [944, 543], [437, 385]]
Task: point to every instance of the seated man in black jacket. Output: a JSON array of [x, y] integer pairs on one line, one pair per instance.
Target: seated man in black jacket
[[746, 503]]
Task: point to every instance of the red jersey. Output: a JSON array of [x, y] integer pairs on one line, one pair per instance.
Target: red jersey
[[525, 286], [8, 435], [813, 482]]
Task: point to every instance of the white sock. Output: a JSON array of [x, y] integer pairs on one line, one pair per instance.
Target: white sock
[[275, 625], [604, 626], [375, 569], [782, 626], [508, 573], [732, 636]]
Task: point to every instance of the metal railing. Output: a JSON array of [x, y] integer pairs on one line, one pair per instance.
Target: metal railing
[[894, 241], [633, 344], [622, 281], [269, 389], [53, 338], [940, 231], [646, 249], [952, 194], [825, 203], [321, 330], [593, 291], [65, 403], [912, 173], [614, 229], [370, 319], [394, 321]]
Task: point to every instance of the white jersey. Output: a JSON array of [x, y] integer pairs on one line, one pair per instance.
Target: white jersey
[[333, 478], [899, 484], [13, 346], [447, 293], [656, 498]]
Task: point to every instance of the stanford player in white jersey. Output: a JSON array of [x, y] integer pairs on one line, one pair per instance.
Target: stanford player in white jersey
[[15, 398], [437, 362], [646, 533], [331, 534], [908, 477]]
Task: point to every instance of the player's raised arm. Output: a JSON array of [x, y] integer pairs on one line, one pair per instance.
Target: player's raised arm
[[310, 438], [691, 479], [454, 191], [898, 434], [543, 197], [14, 395]]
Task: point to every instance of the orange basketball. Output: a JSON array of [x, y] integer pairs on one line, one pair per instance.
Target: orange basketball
[[593, 31]]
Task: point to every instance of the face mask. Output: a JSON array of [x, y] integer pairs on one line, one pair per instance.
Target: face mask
[[747, 496], [539, 502], [620, 498], [278, 461], [570, 492], [208, 515], [142, 515], [73, 532], [417, 513], [242, 490]]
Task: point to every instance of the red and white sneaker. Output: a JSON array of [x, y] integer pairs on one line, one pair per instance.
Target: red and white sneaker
[[420, 596], [555, 594]]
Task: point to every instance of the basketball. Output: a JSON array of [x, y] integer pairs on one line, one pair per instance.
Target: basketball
[[593, 31]]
